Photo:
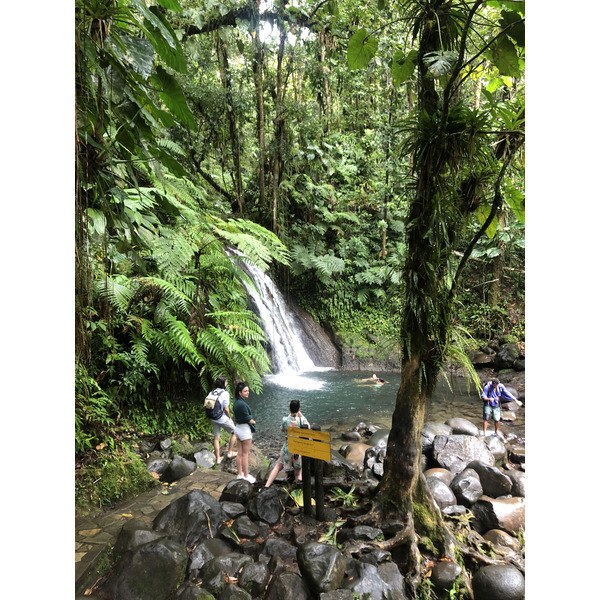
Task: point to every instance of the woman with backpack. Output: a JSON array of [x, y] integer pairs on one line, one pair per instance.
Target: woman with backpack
[[220, 418]]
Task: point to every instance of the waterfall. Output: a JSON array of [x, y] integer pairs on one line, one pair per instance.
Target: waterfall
[[286, 336]]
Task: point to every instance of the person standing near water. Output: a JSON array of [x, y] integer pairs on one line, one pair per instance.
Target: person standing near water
[[220, 418], [294, 419], [244, 429], [493, 391]]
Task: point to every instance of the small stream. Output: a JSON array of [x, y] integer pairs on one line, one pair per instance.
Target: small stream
[[338, 401]]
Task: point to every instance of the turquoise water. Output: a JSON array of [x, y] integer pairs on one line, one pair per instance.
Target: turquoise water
[[338, 401]]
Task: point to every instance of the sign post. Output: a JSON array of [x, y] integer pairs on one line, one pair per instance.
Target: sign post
[[311, 444]]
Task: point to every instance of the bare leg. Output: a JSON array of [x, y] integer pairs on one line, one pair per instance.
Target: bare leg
[[217, 444], [278, 466], [230, 452]]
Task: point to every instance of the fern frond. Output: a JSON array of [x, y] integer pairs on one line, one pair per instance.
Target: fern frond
[[116, 290]]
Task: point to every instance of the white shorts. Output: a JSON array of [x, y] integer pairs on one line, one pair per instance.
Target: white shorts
[[225, 422], [243, 432]]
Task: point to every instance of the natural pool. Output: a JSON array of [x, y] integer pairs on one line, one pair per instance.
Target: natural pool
[[339, 400]]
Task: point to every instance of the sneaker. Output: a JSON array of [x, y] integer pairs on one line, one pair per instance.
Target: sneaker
[[241, 477], [250, 478]]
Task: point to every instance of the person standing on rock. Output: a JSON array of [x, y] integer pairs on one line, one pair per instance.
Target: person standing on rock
[[294, 419], [493, 391], [221, 418], [244, 429]]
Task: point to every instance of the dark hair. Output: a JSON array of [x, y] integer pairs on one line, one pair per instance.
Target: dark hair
[[239, 387], [221, 381], [294, 406], [495, 381]]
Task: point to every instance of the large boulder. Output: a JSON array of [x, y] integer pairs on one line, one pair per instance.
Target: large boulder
[[518, 483], [430, 431], [205, 551], [380, 438], [323, 566], [462, 426], [152, 571], [444, 574], [499, 582], [178, 468], [191, 518], [467, 487], [502, 541], [455, 452], [507, 514], [133, 534], [287, 586], [494, 482], [266, 506], [443, 474], [505, 357], [238, 491], [366, 580], [354, 453], [441, 493]]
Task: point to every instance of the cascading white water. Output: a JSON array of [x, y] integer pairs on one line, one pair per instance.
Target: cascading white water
[[289, 356]]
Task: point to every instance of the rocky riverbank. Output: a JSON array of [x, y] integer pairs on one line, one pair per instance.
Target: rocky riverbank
[[257, 543]]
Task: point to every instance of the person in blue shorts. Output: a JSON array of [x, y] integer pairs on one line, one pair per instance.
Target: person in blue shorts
[[493, 391]]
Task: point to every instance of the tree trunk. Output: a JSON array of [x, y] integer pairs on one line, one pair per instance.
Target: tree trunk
[[498, 266], [259, 54], [279, 128], [233, 132]]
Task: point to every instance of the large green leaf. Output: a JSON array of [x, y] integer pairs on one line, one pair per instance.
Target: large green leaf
[[403, 66], [482, 214], [515, 26], [172, 95], [441, 62], [361, 49], [170, 5], [504, 56], [516, 200]]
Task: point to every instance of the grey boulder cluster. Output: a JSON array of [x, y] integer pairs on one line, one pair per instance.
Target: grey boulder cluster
[[239, 547], [472, 478]]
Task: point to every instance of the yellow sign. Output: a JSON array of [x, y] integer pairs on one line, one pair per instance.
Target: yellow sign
[[306, 442]]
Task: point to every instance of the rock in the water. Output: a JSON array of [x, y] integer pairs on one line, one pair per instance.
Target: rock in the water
[[351, 436], [455, 452], [152, 571], [499, 582], [507, 514], [442, 494], [494, 482], [462, 426], [191, 518], [467, 487], [323, 566], [178, 468]]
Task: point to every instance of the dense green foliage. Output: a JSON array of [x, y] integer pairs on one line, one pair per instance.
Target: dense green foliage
[[292, 132]]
